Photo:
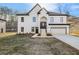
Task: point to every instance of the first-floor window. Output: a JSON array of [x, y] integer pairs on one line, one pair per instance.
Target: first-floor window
[[32, 29], [22, 29]]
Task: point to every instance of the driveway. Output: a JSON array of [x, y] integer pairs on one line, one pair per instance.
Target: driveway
[[71, 40]]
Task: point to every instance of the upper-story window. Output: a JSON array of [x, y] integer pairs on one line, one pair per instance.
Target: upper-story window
[[22, 19], [61, 19], [51, 19], [34, 19]]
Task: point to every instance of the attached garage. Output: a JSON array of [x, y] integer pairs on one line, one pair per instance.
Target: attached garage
[[58, 30]]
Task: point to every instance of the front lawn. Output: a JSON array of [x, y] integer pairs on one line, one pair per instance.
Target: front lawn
[[25, 45]]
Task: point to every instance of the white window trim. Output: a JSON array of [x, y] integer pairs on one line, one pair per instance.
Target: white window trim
[[51, 19], [61, 19], [22, 19], [34, 20]]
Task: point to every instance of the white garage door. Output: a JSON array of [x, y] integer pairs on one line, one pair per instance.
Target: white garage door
[[58, 30]]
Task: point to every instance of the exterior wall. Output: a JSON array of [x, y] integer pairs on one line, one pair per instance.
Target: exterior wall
[[32, 14], [57, 19], [3, 25], [26, 24]]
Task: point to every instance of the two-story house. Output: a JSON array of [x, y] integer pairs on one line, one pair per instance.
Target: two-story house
[[39, 18]]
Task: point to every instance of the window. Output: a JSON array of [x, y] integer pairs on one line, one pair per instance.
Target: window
[[51, 19], [32, 29], [61, 19], [34, 19], [22, 29], [22, 19]]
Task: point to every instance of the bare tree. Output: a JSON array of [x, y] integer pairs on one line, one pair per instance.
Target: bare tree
[[12, 24], [67, 10], [59, 8], [63, 9], [9, 15], [4, 11]]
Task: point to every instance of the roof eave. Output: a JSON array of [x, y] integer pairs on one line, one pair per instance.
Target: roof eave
[[59, 24], [21, 14]]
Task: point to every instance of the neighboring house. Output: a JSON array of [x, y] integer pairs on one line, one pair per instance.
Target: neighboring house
[[39, 18], [2, 26]]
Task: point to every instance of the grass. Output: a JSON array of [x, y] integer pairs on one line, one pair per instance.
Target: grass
[[13, 43], [25, 45], [75, 33], [61, 48], [7, 34]]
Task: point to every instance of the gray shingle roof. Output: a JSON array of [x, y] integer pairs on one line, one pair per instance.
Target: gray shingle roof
[[56, 14]]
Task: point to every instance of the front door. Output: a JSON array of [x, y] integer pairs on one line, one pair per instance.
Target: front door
[[43, 25]]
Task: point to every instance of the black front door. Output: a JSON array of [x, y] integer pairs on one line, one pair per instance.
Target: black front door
[[36, 29], [42, 25]]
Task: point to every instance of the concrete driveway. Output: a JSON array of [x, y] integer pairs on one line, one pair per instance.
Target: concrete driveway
[[71, 40]]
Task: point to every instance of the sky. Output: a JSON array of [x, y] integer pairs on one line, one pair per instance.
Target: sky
[[25, 7]]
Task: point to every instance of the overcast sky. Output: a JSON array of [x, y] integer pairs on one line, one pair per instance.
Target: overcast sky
[[24, 7]]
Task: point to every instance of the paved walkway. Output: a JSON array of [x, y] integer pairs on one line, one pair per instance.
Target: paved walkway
[[71, 40]]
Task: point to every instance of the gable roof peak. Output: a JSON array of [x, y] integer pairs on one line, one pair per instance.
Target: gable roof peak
[[37, 5], [42, 9], [34, 7]]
